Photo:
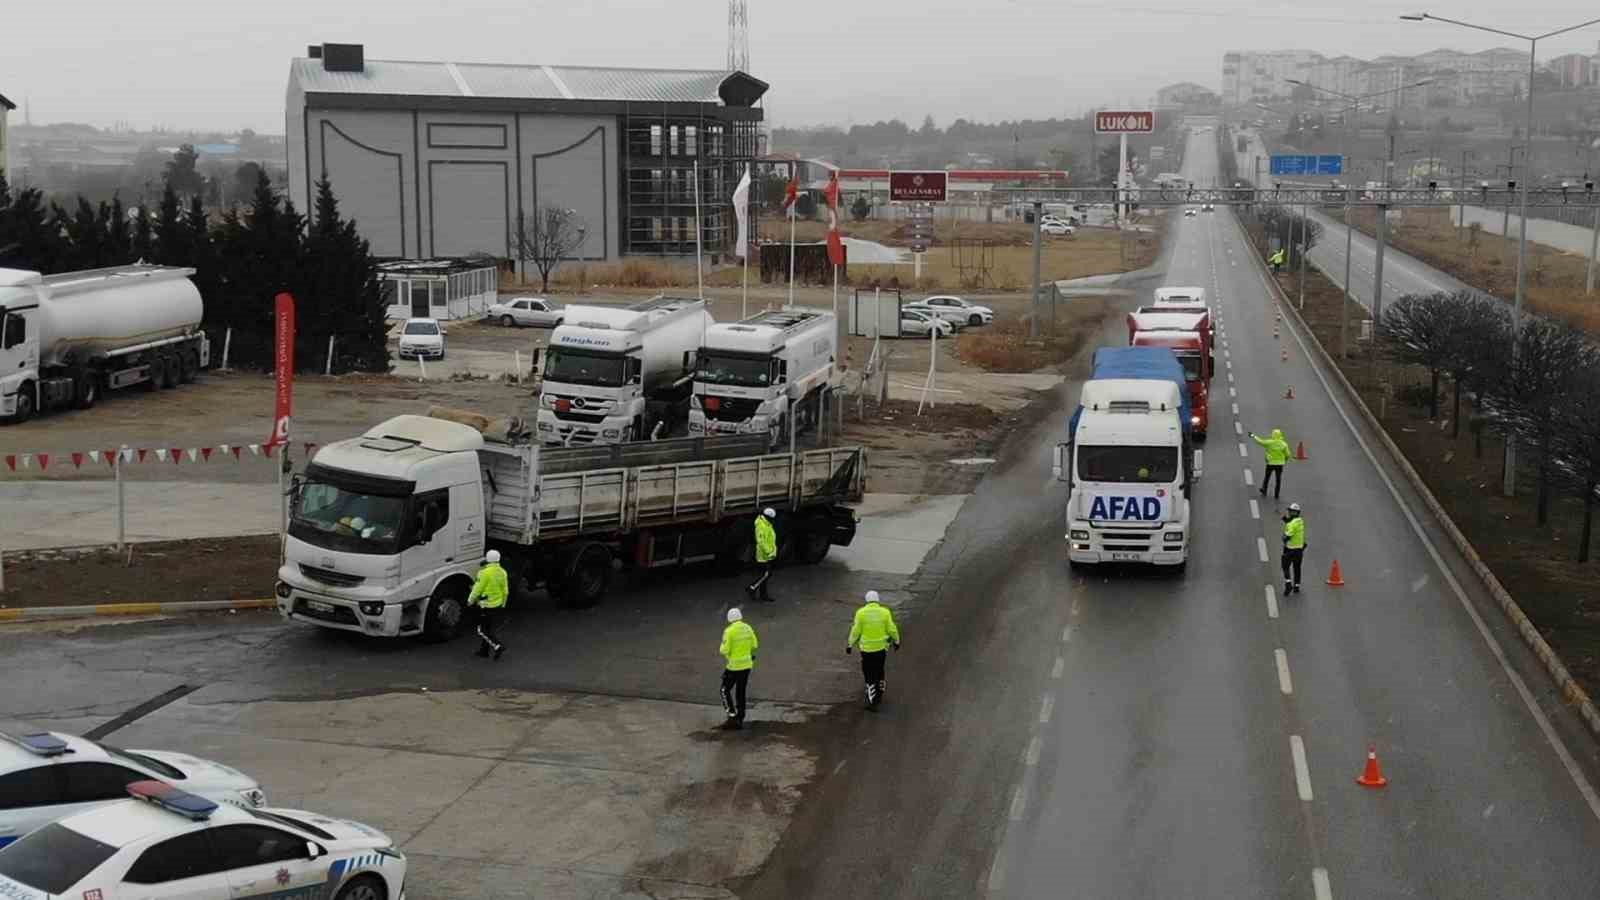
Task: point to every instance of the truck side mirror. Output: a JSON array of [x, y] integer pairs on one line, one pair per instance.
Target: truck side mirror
[[1061, 465]]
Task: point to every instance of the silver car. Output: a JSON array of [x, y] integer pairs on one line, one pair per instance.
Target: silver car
[[955, 310], [535, 312]]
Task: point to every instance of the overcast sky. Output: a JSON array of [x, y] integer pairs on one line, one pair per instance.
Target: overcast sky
[[224, 64]]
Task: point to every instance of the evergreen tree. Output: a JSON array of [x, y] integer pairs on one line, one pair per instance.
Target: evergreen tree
[[171, 244], [26, 239], [340, 289], [119, 242]]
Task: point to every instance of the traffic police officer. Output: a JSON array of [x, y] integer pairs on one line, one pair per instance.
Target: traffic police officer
[[1276, 447], [1294, 548], [873, 630], [489, 594], [739, 654], [766, 554]]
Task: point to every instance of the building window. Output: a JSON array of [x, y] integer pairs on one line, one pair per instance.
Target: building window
[[690, 141], [655, 140]]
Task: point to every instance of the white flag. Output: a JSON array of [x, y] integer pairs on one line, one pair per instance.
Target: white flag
[[741, 210]]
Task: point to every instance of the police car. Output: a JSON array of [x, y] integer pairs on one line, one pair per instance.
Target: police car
[[47, 775], [168, 844]]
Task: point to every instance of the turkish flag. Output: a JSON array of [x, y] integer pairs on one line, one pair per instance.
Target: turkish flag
[[791, 194]]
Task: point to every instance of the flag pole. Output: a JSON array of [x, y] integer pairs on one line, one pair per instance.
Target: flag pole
[[699, 267], [792, 207], [744, 289]]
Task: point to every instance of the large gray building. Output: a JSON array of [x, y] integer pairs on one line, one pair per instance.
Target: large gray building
[[437, 159]]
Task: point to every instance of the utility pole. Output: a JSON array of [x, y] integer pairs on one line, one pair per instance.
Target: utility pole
[[1377, 267], [1038, 225]]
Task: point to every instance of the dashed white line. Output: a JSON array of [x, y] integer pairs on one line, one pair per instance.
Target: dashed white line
[[1302, 772], [1272, 602], [1045, 708], [1034, 748], [1255, 510], [1238, 428], [1243, 453], [1261, 545], [1066, 634], [1320, 885], [1236, 409], [1058, 668], [1284, 683], [1232, 392], [1249, 478], [1230, 377], [1019, 804]]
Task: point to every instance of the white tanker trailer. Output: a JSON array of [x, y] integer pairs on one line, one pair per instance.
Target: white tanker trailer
[[66, 338]]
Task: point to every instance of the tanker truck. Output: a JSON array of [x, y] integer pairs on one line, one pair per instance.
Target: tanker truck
[[64, 339], [616, 374], [764, 374]]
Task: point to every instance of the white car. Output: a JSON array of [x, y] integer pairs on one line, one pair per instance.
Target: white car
[[956, 310], [921, 321], [422, 338], [168, 844], [1057, 229], [526, 311], [47, 775], [1189, 213]]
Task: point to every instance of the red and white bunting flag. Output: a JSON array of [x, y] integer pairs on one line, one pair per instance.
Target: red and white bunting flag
[[77, 460], [26, 459], [44, 461], [205, 453], [255, 449], [192, 453], [224, 448], [142, 451], [11, 461], [110, 457], [236, 450], [177, 455], [161, 454]]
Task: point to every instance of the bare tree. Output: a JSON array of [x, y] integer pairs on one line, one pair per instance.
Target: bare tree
[[1463, 334], [1417, 330], [1480, 350], [1578, 442], [547, 239], [1540, 385]]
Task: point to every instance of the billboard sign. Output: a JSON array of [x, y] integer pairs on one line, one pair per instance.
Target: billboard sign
[[1307, 164], [917, 186], [1125, 121]]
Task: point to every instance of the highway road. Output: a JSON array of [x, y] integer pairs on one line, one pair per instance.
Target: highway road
[[1402, 274], [1129, 734]]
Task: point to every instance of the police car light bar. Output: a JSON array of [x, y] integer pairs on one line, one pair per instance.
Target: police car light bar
[[172, 799], [39, 743]]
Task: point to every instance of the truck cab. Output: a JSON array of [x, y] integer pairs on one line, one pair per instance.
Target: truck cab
[[19, 348], [1128, 475], [752, 376], [386, 531], [1192, 347]]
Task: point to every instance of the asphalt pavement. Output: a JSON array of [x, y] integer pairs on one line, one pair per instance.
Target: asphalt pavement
[[1402, 274]]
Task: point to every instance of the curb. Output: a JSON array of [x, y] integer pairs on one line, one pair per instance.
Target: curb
[[1570, 689], [129, 609]]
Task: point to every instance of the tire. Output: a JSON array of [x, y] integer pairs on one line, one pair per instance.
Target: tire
[[815, 540], [585, 582], [447, 613], [363, 887], [169, 373], [975, 319], [188, 366], [507, 322], [27, 404], [88, 390]]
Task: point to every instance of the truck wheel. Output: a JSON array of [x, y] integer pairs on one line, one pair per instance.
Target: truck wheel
[[25, 404], [815, 540], [169, 373], [447, 612], [585, 583], [88, 390], [188, 366]]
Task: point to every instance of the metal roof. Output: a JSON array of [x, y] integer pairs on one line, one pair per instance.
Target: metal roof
[[6, 103], [514, 82]]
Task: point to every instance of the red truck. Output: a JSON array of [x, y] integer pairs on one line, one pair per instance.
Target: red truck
[[1188, 335]]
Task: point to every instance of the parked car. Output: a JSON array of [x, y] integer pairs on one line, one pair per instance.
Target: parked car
[[920, 322], [535, 312], [1058, 229], [1188, 213], [421, 338], [47, 775], [955, 310]]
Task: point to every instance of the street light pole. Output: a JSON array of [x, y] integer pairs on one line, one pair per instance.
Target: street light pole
[[1509, 488]]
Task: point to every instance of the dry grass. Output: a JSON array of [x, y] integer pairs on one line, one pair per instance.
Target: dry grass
[[1489, 262], [1005, 346]]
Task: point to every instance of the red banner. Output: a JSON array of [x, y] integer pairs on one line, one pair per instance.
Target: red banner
[[283, 367]]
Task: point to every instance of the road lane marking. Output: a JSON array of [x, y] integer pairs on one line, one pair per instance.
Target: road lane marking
[[1066, 634], [1058, 668], [1243, 453], [1272, 602], [1226, 354], [1230, 379], [1261, 548], [1238, 428], [1034, 746], [1302, 773], [1045, 708], [1018, 805], [1235, 407], [1249, 478], [1255, 510], [1284, 683], [1319, 883], [1581, 781]]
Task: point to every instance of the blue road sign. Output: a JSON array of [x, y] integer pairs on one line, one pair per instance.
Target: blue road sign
[[1307, 164]]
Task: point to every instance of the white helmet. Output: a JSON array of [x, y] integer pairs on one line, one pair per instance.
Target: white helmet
[[872, 596], [1294, 507], [734, 615], [493, 556], [770, 513], [358, 523]]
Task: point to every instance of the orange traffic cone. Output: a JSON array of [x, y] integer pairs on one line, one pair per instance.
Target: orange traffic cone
[[1300, 451], [1373, 776], [1289, 394], [1336, 577]]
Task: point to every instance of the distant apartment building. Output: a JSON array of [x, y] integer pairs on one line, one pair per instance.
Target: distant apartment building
[[6, 106], [1456, 78], [1575, 70], [1185, 93]]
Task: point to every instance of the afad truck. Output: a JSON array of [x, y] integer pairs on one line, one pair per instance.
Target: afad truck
[[387, 530], [614, 374], [66, 339], [764, 374], [1129, 461]]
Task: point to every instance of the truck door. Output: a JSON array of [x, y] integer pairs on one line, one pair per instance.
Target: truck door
[[466, 505], [429, 538]]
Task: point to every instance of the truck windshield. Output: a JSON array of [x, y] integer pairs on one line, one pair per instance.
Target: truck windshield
[[1191, 366], [1139, 465], [582, 367], [337, 518], [743, 371]]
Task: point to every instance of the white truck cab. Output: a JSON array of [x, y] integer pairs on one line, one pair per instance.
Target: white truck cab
[[1128, 476], [382, 524], [754, 374]]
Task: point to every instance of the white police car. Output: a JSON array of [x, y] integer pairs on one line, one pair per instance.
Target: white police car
[[168, 844], [47, 775]]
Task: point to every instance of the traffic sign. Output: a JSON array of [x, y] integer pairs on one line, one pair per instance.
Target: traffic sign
[[1307, 164], [1125, 121]]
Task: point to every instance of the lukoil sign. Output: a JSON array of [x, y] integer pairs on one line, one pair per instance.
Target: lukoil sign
[[1125, 121]]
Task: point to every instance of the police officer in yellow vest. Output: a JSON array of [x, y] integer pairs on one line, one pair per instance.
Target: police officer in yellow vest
[[739, 654], [874, 632], [1276, 447], [766, 554], [1294, 548], [1277, 259], [489, 594]]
